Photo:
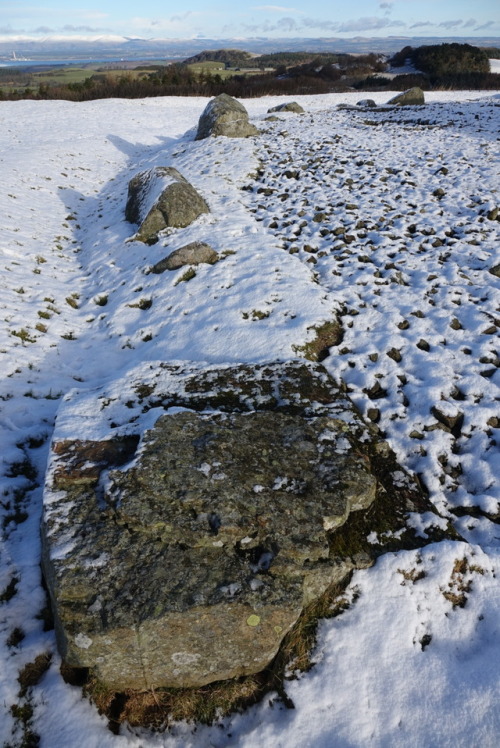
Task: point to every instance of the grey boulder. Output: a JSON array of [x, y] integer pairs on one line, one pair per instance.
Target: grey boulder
[[160, 198], [412, 97], [224, 115], [194, 253], [290, 106]]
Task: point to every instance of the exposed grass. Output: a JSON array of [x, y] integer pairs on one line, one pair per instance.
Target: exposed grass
[[325, 336], [23, 335], [32, 672], [9, 591], [23, 715], [73, 300], [15, 637], [256, 314], [187, 276]]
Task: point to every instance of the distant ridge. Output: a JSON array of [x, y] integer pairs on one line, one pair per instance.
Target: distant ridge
[[135, 48]]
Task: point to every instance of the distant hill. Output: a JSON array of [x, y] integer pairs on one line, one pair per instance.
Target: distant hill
[[231, 57], [445, 59]]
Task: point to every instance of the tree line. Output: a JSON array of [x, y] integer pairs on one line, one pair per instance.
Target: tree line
[[449, 66]]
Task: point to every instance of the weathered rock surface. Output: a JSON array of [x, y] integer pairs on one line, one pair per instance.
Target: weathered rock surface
[[290, 106], [366, 103], [194, 253], [181, 544], [224, 115], [412, 97], [160, 198]]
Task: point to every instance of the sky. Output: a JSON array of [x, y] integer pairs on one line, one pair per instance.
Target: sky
[[160, 19]]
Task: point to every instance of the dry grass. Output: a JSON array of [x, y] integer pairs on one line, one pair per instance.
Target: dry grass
[[326, 335], [32, 672], [460, 583]]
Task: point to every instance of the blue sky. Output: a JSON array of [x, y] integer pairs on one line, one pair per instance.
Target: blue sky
[[211, 18]]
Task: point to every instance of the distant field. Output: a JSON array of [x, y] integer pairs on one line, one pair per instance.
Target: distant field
[[14, 79], [71, 74], [219, 68]]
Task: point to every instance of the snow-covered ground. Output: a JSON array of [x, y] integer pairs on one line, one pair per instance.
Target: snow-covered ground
[[380, 217]]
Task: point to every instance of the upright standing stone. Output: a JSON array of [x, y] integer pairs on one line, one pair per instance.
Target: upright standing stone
[[225, 116]]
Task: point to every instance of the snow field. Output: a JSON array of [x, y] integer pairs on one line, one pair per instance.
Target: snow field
[[406, 664]]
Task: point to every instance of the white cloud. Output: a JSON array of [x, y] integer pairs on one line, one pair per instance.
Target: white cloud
[[485, 26], [421, 24], [368, 24], [451, 24], [84, 29]]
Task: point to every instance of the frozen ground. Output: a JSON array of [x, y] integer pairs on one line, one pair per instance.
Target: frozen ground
[[383, 218]]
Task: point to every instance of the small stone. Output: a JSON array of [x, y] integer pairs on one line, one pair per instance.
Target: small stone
[[451, 423], [289, 106], [439, 192], [194, 253], [423, 345], [395, 354], [376, 391], [455, 324]]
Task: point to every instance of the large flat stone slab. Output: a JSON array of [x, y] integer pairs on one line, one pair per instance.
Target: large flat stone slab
[[192, 520]]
